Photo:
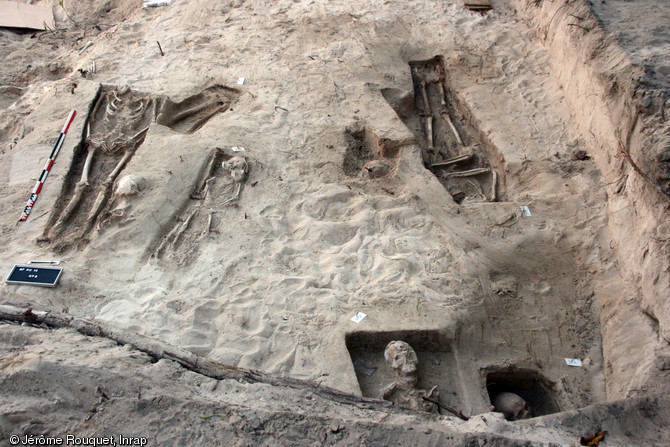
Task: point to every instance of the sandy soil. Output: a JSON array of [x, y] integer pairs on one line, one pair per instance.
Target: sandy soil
[[269, 280]]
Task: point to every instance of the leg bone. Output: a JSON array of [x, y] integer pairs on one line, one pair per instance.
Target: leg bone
[[424, 94], [106, 189], [429, 132]]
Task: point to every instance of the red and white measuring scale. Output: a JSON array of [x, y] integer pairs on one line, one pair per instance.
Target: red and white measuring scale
[[47, 168]]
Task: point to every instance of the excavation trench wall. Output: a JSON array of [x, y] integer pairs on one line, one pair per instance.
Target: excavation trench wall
[[617, 110]]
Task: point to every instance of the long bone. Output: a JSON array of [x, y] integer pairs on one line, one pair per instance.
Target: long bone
[[174, 234], [79, 190], [469, 173], [451, 161], [424, 94], [165, 241], [445, 112], [443, 102], [447, 118], [106, 189], [183, 227], [429, 132], [81, 186], [96, 107]]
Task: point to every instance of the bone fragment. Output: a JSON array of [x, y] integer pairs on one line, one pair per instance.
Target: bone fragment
[[477, 186], [96, 107], [494, 181], [78, 194], [88, 44], [447, 118], [135, 137], [87, 165], [451, 161], [165, 240], [183, 227], [443, 102], [424, 94], [105, 191], [469, 173], [429, 132], [209, 221], [208, 172]]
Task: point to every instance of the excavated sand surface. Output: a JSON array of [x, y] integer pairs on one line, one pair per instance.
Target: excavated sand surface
[[488, 296]]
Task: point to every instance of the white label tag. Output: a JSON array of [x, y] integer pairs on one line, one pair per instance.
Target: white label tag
[[358, 317], [573, 362]]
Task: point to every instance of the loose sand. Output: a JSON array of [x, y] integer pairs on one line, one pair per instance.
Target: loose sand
[[489, 297]]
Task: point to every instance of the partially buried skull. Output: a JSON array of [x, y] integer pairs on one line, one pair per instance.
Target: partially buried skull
[[511, 405], [376, 168], [129, 185], [400, 356], [238, 168]]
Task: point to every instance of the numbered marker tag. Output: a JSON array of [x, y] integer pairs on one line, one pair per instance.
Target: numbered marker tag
[[32, 275], [573, 362], [358, 317]]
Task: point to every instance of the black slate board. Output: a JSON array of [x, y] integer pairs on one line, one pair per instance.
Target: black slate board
[[34, 276]]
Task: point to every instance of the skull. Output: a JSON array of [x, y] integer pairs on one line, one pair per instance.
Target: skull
[[512, 406], [237, 166], [401, 357], [376, 168], [129, 185]]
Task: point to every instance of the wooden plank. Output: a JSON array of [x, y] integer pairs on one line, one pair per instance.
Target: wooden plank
[[22, 15]]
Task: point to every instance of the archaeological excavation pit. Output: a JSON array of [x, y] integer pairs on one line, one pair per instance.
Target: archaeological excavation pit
[[436, 362], [491, 233], [216, 187], [366, 152], [116, 127], [531, 386], [453, 148]]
